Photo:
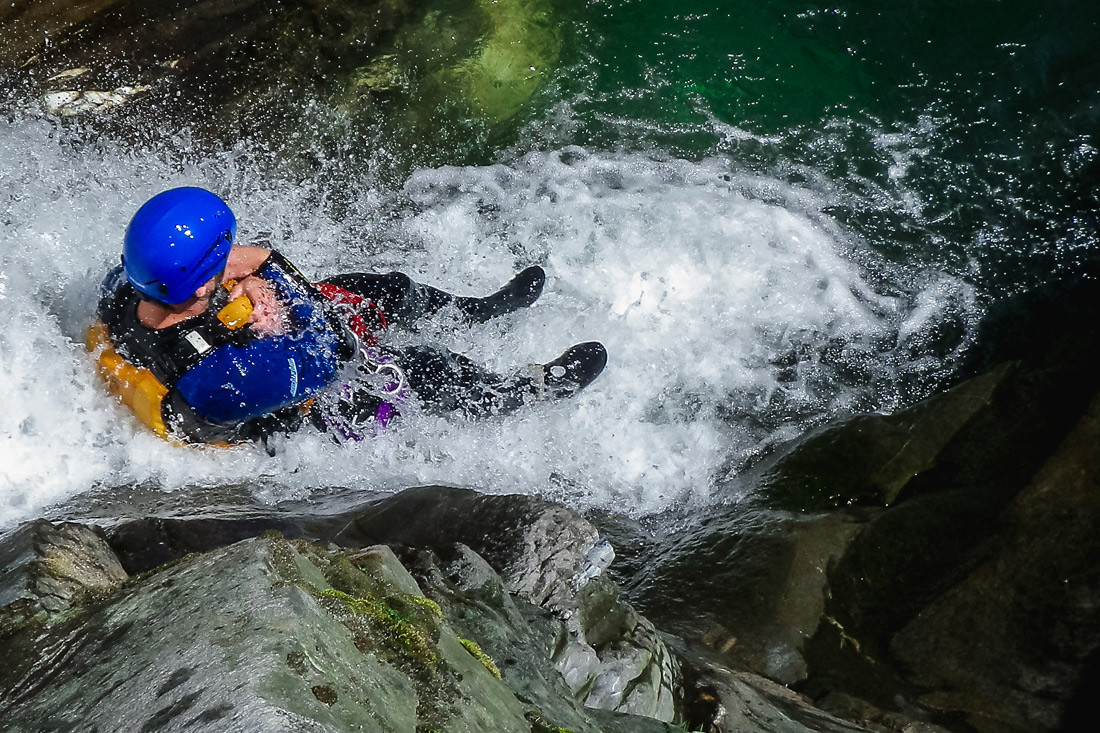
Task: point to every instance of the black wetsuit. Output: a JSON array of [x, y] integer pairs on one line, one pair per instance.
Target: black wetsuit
[[237, 364], [441, 380]]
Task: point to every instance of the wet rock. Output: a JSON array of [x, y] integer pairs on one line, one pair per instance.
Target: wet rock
[[519, 45], [611, 657], [517, 636], [199, 61], [262, 636], [69, 103], [50, 568], [538, 547], [615, 659], [949, 564], [270, 634], [870, 459], [939, 565], [1009, 644], [147, 543], [751, 585], [380, 75], [847, 707], [740, 701]]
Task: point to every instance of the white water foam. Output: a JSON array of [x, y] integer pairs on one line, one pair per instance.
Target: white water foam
[[729, 305]]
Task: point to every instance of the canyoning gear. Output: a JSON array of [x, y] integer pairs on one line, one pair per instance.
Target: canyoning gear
[[138, 388], [519, 292], [442, 381], [364, 316], [449, 382], [572, 371], [216, 379], [235, 313], [366, 401], [408, 301], [212, 378], [176, 242]]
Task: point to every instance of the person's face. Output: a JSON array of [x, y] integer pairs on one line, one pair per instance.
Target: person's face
[[207, 289]]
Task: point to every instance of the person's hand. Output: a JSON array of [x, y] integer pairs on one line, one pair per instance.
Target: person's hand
[[267, 313]]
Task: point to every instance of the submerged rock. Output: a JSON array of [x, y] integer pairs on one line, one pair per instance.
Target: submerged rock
[[425, 77]]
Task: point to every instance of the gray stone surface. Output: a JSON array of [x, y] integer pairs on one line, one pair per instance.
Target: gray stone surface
[[537, 547], [50, 567], [253, 637], [516, 635], [275, 635], [611, 657], [747, 702]]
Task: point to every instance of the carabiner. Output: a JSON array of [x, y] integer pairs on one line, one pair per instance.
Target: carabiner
[[397, 381]]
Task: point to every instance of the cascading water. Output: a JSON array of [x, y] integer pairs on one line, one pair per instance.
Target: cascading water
[[751, 277], [736, 314]]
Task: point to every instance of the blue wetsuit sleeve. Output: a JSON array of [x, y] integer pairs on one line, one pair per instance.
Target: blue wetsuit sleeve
[[304, 305], [236, 383]]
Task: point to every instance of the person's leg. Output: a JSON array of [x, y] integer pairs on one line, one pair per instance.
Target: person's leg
[[445, 382], [404, 301], [393, 293], [448, 382]]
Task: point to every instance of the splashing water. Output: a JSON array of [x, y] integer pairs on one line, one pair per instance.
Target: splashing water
[[735, 312]]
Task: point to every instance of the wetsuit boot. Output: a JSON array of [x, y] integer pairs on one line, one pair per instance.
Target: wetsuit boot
[[448, 382], [405, 301], [519, 292], [571, 372]]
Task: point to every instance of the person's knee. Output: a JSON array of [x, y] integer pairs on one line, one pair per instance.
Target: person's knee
[[397, 281]]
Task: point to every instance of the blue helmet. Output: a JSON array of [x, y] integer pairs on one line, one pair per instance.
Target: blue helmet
[[176, 242]]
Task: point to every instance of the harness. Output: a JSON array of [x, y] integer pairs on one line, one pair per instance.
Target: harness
[[209, 378], [340, 413]]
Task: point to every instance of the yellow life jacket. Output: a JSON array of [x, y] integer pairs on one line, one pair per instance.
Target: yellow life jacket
[[138, 388]]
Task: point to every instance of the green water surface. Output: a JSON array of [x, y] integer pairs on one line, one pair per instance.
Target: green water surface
[[964, 133]]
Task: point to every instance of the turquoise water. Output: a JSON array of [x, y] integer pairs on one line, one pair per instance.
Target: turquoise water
[[962, 133], [774, 214]]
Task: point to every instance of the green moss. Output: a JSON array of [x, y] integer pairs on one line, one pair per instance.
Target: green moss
[[413, 638], [381, 74], [401, 629], [59, 566], [479, 654], [282, 559], [20, 615], [427, 603], [521, 46], [356, 577], [539, 724]]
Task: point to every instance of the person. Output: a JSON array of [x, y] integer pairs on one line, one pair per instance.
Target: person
[[240, 345]]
